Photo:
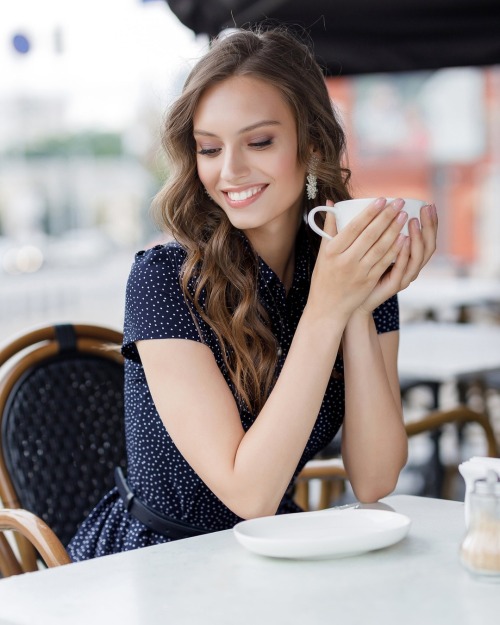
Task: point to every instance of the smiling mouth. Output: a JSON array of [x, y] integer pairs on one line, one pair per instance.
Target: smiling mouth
[[240, 196]]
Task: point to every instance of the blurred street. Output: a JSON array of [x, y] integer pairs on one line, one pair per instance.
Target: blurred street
[[88, 294]]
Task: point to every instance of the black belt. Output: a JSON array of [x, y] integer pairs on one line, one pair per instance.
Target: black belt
[[150, 518]]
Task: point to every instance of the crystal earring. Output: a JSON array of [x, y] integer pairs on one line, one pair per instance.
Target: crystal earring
[[312, 186]]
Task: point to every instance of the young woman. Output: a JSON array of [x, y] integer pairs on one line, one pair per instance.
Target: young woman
[[249, 341]]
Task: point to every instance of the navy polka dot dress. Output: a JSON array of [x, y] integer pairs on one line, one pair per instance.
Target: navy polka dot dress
[[157, 473]]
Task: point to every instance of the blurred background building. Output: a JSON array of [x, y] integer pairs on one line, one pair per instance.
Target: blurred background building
[[82, 92], [432, 135], [83, 89]]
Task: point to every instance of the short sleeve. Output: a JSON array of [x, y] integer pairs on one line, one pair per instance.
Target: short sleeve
[[155, 307], [386, 316]]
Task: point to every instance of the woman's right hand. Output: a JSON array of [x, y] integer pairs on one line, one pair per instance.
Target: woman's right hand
[[350, 265]]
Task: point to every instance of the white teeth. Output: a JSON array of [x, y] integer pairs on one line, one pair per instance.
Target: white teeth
[[243, 195]]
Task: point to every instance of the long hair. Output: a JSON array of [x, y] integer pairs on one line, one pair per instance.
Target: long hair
[[219, 261]]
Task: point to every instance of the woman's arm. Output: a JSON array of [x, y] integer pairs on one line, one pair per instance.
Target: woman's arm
[[374, 442], [250, 471]]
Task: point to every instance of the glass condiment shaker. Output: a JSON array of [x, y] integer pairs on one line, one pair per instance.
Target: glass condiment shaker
[[480, 549]]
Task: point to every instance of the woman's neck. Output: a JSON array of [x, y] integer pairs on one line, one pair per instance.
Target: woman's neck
[[277, 250], [281, 259]]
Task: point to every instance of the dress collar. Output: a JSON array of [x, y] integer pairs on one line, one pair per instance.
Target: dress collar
[[303, 264]]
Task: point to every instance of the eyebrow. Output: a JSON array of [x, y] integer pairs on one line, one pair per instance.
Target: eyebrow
[[265, 122]]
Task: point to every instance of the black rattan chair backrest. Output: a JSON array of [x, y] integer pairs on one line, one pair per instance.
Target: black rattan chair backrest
[[63, 434]]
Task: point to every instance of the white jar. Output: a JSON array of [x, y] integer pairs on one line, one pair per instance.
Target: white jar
[[480, 549]]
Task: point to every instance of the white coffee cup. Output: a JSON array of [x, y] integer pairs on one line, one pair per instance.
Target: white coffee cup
[[346, 210]]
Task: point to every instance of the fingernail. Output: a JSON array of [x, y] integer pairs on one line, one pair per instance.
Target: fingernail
[[429, 210], [414, 224], [397, 204], [402, 217], [380, 202], [400, 240]]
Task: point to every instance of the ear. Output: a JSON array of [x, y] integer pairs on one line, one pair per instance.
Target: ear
[[314, 154]]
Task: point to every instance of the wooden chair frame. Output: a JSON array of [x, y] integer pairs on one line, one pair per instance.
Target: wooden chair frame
[[459, 416], [332, 476], [18, 355], [9, 564], [37, 533]]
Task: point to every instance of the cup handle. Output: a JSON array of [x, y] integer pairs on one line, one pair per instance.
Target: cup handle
[[312, 223]]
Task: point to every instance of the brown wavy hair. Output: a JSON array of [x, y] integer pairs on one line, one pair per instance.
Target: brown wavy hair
[[219, 259]]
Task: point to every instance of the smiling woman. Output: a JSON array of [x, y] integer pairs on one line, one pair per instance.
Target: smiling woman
[[234, 373], [246, 143]]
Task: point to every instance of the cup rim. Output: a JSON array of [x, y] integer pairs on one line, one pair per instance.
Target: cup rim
[[372, 199]]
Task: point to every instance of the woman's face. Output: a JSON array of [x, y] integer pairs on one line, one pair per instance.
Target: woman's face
[[246, 143]]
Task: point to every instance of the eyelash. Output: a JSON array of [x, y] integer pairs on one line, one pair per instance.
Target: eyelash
[[208, 151], [261, 145]]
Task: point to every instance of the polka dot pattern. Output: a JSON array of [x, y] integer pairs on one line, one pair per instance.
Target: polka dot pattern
[[157, 473]]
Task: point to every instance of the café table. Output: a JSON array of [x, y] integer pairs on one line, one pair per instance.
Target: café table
[[434, 354], [212, 579], [439, 353], [430, 296]]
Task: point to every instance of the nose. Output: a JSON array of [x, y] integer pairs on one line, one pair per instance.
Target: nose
[[234, 166]]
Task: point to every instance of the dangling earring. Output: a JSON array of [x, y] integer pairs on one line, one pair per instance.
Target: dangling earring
[[312, 186]]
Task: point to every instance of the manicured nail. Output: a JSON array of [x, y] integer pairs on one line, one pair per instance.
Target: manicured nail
[[398, 204], [380, 202], [400, 240], [414, 224], [429, 210], [402, 217]]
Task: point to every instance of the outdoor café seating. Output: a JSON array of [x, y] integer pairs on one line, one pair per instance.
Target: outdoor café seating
[[61, 435], [61, 430]]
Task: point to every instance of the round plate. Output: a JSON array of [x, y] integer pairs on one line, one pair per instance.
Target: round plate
[[325, 534]]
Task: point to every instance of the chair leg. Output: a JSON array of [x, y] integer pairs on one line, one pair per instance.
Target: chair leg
[[9, 564], [331, 490], [338, 489], [302, 494], [450, 474], [325, 496], [27, 554]]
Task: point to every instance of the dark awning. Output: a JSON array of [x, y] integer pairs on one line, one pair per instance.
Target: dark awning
[[366, 36]]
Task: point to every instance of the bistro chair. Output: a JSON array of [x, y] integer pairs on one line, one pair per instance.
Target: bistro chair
[[462, 417], [39, 535], [61, 425], [332, 475]]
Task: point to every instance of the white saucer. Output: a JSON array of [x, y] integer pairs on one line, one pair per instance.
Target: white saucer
[[325, 534]]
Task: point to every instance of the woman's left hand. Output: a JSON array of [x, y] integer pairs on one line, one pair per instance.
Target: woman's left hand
[[413, 256]]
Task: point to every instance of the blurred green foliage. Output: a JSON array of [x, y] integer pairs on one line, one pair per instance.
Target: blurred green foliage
[[82, 144]]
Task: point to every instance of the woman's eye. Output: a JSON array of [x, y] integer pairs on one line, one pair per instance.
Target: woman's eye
[[208, 151], [261, 144]]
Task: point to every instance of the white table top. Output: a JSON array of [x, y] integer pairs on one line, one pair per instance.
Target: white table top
[[448, 351], [212, 579], [435, 293]]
